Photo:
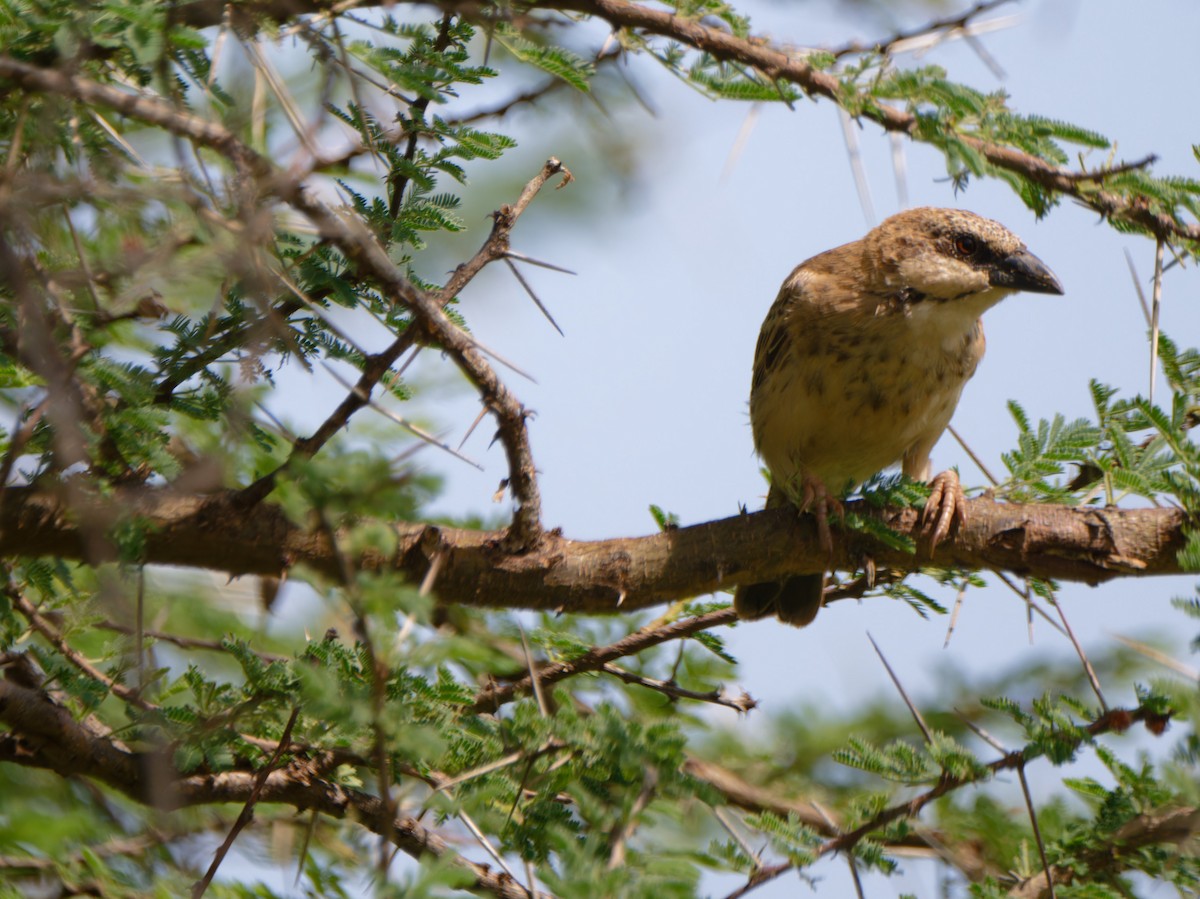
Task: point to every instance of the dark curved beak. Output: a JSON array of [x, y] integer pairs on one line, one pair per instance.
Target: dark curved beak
[[1024, 271]]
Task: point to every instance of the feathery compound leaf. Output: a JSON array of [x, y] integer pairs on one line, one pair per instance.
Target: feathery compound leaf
[[736, 86], [788, 835], [1068, 132], [869, 524], [918, 600], [1017, 411], [1187, 185], [955, 759], [1189, 555], [574, 70], [1189, 605], [714, 644], [666, 521]]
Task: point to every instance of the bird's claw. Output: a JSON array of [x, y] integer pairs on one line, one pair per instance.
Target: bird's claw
[[946, 507], [815, 498]]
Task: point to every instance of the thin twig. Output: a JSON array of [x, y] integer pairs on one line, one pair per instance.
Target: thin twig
[[743, 703], [985, 56], [529, 290], [473, 426], [858, 887], [1192, 674], [375, 367], [1087, 665], [483, 841], [44, 627], [958, 603], [833, 827], [412, 123], [1117, 720], [446, 783], [616, 855], [435, 567], [981, 733], [724, 820], [531, 877], [417, 431], [139, 629], [949, 23], [534, 680], [493, 696], [974, 458], [1030, 604], [181, 642], [609, 53], [88, 280], [496, 246], [1137, 286], [741, 140], [903, 694], [1037, 831], [291, 110], [541, 263], [247, 812], [1118, 169]]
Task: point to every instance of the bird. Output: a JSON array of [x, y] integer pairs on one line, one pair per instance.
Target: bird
[[860, 364]]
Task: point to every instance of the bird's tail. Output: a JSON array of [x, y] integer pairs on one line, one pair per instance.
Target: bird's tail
[[794, 600]]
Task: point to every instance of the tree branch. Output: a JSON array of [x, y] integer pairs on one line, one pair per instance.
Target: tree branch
[[920, 841], [1115, 721], [622, 574], [598, 658], [49, 737], [777, 64], [1175, 826], [948, 24], [757, 53], [353, 240]]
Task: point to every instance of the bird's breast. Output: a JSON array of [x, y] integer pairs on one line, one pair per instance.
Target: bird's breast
[[850, 393]]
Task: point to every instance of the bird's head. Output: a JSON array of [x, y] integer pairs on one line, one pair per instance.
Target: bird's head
[[951, 254]]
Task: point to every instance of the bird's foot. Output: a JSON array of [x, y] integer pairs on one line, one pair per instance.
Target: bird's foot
[[946, 507], [815, 498]]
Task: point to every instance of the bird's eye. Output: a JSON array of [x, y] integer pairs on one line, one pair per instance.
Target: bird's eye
[[966, 244]]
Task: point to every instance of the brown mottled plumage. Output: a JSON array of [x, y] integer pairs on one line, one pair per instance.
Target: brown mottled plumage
[[860, 364]]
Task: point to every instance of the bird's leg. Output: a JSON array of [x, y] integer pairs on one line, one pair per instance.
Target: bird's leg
[[946, 506], [815, 498]]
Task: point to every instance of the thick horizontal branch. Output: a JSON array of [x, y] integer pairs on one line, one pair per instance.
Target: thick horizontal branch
[[601, 576]]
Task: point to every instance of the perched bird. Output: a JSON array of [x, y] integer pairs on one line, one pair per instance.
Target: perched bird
[[860, 364]]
